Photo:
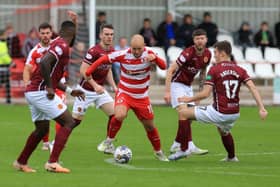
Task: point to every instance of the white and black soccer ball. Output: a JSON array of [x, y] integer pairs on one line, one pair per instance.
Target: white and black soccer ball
[[122, 154]]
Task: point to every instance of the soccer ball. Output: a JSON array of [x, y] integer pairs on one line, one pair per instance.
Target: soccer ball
[[122, 154]]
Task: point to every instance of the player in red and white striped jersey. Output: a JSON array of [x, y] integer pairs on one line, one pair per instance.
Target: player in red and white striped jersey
[[133, 87]]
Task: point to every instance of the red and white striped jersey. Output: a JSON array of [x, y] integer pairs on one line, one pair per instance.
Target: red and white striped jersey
[[135, 72], [35, 55]]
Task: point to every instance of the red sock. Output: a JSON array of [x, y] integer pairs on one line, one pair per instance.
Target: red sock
[[57, 127], [59, 143], [115, 126], [229, 145], [29, 147], [46, 137], [108, 124], [154, 139], [183, 129], [189, 132]]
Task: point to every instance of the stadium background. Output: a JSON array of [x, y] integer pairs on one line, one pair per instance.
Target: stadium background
[[127, 16]]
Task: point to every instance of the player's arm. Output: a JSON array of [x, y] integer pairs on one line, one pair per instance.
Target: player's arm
[[102, 60], [46, 64], [75, 93], [159, 61], [110, 80], [201, 78], [251, 86], [98, 88], [73, 16], [27, 71], [206, 92], [172, 68]]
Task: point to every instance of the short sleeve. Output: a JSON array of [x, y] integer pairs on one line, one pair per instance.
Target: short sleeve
[[89, 57], [184, 57], [58, 50]]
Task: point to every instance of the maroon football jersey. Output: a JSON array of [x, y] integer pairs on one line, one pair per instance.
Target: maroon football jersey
[[226, 78], [101, 72], [60, 50], [190, 64]]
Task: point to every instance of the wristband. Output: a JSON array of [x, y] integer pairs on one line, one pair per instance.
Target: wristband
[[68, 90]]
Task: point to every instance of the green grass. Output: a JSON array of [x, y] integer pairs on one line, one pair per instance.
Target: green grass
[[257, 146]]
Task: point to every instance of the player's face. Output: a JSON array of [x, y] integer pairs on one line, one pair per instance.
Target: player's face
[[45, 35], [137, 50], [107, 36], [200, 41]]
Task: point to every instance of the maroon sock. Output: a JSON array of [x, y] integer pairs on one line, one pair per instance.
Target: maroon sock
[[183, 134], [229, 145], [59, 143], [114, 128], [189, 132], [29, 147], [108, 124]]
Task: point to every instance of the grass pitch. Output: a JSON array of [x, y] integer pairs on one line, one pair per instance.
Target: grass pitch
[[256, 142]]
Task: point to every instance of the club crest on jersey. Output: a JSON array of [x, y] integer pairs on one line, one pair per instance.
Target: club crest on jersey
[[60, 106], [205, 60], [182, 58], [58, 50], [89, 56]]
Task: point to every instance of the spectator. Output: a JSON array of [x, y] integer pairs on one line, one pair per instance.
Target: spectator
[[13, 42], [101, 19], [30, 42], [148, 33], [277, 34], [184, 38], [263, 37], [245, 36], [166, 32], [210, 28], [116, 68], [5, 61]]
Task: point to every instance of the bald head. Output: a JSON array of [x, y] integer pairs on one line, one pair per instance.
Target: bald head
[[137, 45]]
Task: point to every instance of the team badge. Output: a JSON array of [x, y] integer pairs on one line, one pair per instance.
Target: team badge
[[58, 50], [60, 106], [182, 58], [205, 59], [79, 109], [208, 77], [88, 56]]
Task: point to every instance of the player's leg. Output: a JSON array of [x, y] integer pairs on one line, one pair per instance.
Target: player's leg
[[41, 129], [144, 112], [228, 143], [187, 114], [46, 142]]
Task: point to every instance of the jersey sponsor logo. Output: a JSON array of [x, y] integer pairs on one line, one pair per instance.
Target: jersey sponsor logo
[[89, 56], [205, 59], [182, 58], [208, 77], [58, 50]]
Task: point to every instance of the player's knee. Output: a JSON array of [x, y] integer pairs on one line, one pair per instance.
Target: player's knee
[[41, 131], [70, 123], [120, 116], [182, 114]]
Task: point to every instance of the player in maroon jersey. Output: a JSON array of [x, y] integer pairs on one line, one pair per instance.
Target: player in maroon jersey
[[224, 80], [136, 63], [45, 104], [94, 90], [178, 83]]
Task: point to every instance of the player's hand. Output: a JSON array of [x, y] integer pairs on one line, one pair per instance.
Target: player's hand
[[115, 89], [263, 113], [184, 99], [50, 93], [72, 15], [150, 58], [167, 97], [99, 89], [78, 93]]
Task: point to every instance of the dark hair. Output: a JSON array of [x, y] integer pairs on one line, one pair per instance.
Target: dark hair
[[67, 24], [44, 25], [107, 26], [199, 32], [223, 46], [101, 13], [187, 16], [206, 14], [147, 19]]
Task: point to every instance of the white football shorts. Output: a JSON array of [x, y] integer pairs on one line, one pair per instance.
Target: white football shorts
[[42, 108], [207, 114], [98, 100], [179, 90]]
